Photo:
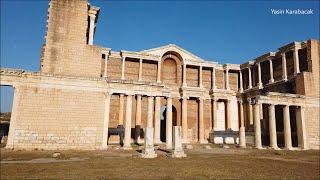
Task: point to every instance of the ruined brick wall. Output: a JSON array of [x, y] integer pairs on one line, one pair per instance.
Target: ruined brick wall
[[312, 126], [66, 51], [114, 68], [219, 79], [193, 76], [49, 118]]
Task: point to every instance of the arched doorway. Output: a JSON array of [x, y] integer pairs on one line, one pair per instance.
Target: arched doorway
[[163, 121]]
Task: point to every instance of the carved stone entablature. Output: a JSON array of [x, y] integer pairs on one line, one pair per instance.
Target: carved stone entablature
[[193, 92], [222, 94], [140, 55], [287, 99]]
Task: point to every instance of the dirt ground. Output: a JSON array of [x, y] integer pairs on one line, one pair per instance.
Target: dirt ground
[[203, 162]]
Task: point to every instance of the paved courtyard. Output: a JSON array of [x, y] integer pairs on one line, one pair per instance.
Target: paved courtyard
[[203, 162]]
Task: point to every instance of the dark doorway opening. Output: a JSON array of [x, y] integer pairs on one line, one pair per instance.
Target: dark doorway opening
[[163, 121]]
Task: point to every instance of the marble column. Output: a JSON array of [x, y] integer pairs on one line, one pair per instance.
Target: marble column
[[272, 127], [140, 70], [260, 85], [201, 122], [123, 68], [184, 75], [169, 123], [213, 78], [177, 150], [214, 110], [250, 109], [138, 119], [284, 66], [200, 77], [227, 79], [250, 78], [287, 127], [257, 126], [157, 122], [301, 128], [127, 134], [184, 119], [13, 119], [148, 139], [105, 75], [271, 70], [159, 72], [242, 132], [121, 110], [229, 114], [296, 60], [240, 82], [150, 112], [92, 17], [106, 120]]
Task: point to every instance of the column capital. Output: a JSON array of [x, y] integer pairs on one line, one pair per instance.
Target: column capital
[[185, 97]]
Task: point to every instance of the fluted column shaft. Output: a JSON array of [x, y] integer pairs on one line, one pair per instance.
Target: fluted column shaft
[[201, 122], [257, 126], [242, 133], [185, 119], [271, 71], [213, 78], [284, 66], [169, 123], [106, 121], [140, 70], [287, 127], [296, 60], [157, 123], [159, 72], [272, 127], [127, 134], [91, 28], [250, 78], [121, 110], [184, 75], [260, 85], [240, 82]]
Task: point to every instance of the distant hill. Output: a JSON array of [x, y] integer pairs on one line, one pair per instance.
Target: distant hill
[[5, 117]]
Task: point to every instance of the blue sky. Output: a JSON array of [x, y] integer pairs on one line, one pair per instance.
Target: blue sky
[[224, 31]]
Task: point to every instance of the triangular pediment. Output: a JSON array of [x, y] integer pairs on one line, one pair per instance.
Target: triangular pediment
[[186, 55]]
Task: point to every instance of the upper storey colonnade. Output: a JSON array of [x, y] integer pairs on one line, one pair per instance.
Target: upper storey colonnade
[[273, 67]]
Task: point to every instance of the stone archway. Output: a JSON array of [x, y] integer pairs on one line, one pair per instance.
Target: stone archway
[[163, 121], [171, 69]]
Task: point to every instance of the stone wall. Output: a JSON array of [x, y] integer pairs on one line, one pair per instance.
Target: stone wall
[[66, 51], [48, 118]]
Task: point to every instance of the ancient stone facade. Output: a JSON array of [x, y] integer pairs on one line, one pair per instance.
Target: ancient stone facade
[[82, 90]]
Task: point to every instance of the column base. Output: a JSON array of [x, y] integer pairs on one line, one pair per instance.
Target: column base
[[178, 154], [275, 148], [258, 147], [288, 148], [242, 137], [203, 142], [271, 81], [260, 86], [143, 155], [127, 148]]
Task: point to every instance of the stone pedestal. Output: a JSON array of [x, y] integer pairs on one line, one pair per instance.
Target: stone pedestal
[[148, 144], [178, 150]]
